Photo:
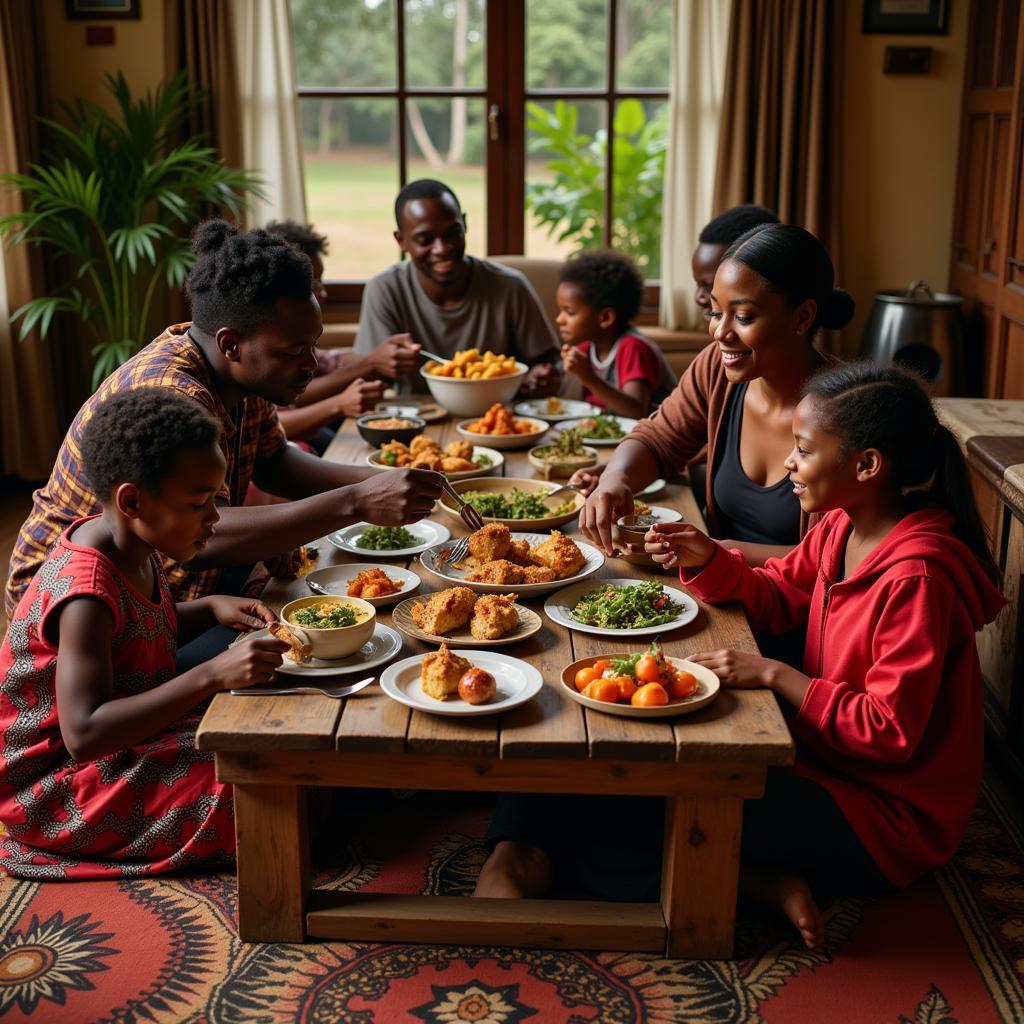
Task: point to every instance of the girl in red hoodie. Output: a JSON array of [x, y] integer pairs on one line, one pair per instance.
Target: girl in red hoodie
[[892, 584]]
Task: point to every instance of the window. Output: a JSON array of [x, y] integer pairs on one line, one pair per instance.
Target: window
[[507, 102]]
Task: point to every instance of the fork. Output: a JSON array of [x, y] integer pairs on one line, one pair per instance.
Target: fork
[[335, 691], [453, 555], [468, 514]]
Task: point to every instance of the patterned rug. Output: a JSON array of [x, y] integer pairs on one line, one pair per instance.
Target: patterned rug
[[948, 951]]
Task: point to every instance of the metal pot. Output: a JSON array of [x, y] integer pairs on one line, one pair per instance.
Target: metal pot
[[921, 329]]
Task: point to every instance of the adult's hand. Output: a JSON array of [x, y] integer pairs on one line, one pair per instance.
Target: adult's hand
[[542, 380], [587, 479], [397, 497], [612, 498], [360, 396], [396, 356]]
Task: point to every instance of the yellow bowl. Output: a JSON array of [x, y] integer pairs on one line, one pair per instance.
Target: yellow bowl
[[340, 642]]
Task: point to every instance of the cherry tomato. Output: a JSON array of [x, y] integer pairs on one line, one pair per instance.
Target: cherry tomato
[[603, 689], [650, 695], [585, 676], [626, 685], [683, 685], [601, 666], [648, 670]]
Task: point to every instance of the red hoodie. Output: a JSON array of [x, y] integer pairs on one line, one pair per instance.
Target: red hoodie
[[892, 723]]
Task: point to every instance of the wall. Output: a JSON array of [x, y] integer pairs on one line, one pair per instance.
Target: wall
[[75, 69], [899, 142]]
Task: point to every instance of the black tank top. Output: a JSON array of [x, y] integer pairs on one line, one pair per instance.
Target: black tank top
[[747, 511]]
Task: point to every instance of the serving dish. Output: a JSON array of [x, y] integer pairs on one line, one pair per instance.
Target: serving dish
[[505, 485], [558, 606], [377, 436], [426, 532], [505, 442], [625, 423], [529, 623], [473, 396], [497, 460]]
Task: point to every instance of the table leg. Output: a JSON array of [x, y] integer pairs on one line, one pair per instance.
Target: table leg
[[699, 876], [272, 838]]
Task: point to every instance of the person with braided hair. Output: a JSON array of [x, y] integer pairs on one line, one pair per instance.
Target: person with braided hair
[[251, 345]]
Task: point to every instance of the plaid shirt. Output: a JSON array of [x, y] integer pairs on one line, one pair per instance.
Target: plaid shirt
[[172, 360]]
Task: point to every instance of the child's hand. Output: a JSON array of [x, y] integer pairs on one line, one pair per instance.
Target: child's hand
[[737, 668], [246, 663], [577, 362], [243, 613], [360, 396], [678, 545]]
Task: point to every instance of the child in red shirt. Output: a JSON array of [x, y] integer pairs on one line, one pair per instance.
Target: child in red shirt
[[99, 773], [892, 584], [598, 295]]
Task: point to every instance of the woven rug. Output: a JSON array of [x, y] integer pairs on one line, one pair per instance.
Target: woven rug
[[948, 951]]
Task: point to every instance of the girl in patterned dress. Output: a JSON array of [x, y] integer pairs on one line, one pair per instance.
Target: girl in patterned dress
[[99, 774]]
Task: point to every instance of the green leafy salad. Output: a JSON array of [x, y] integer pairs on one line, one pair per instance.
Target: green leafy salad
[[386, 538], [603, 428], [515, 505], [632, 607], [325, 616]]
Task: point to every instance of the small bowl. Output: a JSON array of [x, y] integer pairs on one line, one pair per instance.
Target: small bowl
[[378, 436], [474, 397], [504, 441], [332, 644], [632, 529], [563, 467]]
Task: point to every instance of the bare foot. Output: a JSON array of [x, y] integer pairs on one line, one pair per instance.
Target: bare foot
[[790, 894], [514, 871]]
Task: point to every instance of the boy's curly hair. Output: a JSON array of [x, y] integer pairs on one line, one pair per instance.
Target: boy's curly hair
[[238, 277], [303, 237], [135, 437], [606, 279]]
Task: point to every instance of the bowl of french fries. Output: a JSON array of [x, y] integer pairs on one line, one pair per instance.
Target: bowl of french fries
[[473, 381]]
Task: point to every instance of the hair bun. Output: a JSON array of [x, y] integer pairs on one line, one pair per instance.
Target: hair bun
[[211, 235], [838, 311]]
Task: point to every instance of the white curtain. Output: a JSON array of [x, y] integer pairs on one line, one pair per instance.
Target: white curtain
[[271, 135], [700, 30]]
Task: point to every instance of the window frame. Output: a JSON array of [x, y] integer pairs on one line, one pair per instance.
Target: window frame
[[505, 96]]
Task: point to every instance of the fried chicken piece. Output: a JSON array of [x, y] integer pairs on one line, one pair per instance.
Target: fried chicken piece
[[491, 542], [440, 672], [453, 464], [519, 552], [421, 445], [560, 554], [399, 450], [444, 611], [426, 460], [494, 616], [499, 571], [538, 574], [372, 583], [459, 450]]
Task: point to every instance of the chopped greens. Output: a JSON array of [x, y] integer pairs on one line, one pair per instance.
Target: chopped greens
[[389, 458], [515, 505], [325, 616], [483, 461], [386, 538], [631, 607], [604, 427]]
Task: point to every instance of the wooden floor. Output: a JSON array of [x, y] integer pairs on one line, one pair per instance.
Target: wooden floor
[[15, 503]]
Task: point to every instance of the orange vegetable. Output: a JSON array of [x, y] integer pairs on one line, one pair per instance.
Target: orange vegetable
[[650, 695], [585, 676], [648, 670], [626, 685], [606, 690], [684, 685], [601, 666]]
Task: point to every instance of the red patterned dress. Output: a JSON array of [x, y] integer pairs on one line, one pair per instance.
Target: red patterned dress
[[152, 808]]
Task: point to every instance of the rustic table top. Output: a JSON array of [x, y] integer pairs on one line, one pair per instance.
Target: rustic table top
[[738, 727]]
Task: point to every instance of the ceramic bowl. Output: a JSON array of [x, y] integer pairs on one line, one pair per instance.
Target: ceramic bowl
[[331, 644], [377, 436], [560, 467], [474, 397]]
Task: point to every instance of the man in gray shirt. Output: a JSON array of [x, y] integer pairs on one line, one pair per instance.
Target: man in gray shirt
[[444, 301]]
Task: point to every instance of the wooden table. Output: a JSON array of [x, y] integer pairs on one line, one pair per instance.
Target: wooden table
[[705, 765]]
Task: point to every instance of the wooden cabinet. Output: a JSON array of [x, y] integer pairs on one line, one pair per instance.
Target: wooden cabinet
[[987, 262]]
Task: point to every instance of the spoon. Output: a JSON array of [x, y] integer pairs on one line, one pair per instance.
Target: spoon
[[334, 691], [317, 589], [430, 355]]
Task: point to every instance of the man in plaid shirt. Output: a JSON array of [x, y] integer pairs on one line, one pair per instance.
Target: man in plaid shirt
[[251, 345]]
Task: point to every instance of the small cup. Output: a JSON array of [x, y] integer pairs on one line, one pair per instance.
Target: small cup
[[632, 529]]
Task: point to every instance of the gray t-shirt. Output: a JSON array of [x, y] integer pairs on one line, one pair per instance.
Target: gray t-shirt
[[499, 313]]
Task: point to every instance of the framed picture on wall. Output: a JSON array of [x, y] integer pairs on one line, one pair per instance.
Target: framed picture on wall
[[101, 10], [907, 17]]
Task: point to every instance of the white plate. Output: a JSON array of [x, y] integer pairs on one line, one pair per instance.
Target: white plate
[[594, 561], [570, 409], [663, 514], [517, 682], [624, 422], [497, 461], [335, 580], [558, 606], [420, 405], [652, 488], [380, 648], [503, 441], [427, 534]]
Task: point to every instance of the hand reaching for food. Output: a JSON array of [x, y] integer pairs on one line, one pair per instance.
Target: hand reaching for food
[[679, 546]]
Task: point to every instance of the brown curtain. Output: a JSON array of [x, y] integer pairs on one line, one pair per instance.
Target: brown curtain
[[778, 144], [32, 413]]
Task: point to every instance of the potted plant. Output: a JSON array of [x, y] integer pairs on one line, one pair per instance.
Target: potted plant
[[114, 198]]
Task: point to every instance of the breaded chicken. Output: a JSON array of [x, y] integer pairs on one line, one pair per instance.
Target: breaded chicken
[[491, 542], [538, 574], [459, 450], [372, 583], [519, 552], [421, 444], [444, 611], [426, 460], [499, 571], [453, 464], [399, 450], [440, 672], [494, 616], [560, 554]]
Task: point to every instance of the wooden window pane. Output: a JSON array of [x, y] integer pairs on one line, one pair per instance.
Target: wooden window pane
[[351, 169]]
